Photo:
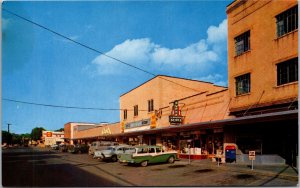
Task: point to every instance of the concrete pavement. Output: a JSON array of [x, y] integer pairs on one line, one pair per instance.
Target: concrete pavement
[[276, 171]]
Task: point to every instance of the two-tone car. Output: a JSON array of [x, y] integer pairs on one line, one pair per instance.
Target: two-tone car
[[145, 155], [112, 152]]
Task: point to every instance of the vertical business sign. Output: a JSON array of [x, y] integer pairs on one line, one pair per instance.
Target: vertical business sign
[[153, 121], [175, 118], [122, 126]]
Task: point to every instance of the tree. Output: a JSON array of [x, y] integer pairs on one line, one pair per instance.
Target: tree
[[36, 133], [61, 129], [6, 137]]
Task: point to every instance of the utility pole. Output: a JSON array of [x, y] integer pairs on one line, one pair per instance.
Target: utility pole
[[8, 124], [9, 139]]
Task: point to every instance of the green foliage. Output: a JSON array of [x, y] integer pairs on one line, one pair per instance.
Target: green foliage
[[36, 133], [6, 137], [61, 129]]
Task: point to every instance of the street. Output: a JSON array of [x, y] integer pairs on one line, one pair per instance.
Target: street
[[40, 167]]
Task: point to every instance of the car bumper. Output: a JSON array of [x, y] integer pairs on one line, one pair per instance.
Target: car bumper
[[126, 161]]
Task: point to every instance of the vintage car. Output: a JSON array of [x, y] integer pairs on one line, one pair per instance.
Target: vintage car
[[63, 148], [54, 146], [100, 145], [112, 152], [145, 155], [78, 148]]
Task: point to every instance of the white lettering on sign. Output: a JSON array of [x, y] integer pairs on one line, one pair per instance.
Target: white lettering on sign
[[106, 131]]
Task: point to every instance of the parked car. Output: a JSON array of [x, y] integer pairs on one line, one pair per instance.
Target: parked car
[[78, 148], [63, 148], [145, 155], [55, 146], [100, 145], [112, 152]]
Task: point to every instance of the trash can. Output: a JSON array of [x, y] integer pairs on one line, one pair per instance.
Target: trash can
[[230, 153]]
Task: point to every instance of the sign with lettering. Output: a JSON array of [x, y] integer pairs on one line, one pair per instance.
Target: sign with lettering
[[49, 134], [175, 118], [106, 131], [252, 155], [140, 123], [153, 121], [122, 126]]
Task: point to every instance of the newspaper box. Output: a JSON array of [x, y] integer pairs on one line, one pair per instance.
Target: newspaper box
[[230, 153]]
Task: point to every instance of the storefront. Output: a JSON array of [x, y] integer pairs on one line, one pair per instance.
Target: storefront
[[200, 144]]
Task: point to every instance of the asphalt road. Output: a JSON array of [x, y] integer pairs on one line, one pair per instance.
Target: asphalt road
[[34, 168], [40, 168]]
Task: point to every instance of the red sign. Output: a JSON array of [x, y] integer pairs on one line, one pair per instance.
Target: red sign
[[230, 147]]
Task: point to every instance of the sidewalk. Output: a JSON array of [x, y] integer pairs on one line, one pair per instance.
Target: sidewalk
[[280, 171]]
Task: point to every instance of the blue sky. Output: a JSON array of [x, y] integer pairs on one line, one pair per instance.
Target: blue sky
[[180, 38]]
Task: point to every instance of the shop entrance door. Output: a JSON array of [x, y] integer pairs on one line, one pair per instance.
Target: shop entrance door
[[152, 141]]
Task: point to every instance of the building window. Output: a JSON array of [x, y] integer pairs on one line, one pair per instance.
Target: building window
[[150, 105], [242, 43], [287, 71], [242, 84], [136, 110], [125, 114], [287, 21]]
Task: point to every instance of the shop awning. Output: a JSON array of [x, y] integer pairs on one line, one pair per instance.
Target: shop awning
[[276, 116]]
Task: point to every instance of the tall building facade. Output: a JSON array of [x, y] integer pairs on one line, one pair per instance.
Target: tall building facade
[[263, 78], [262, 56]]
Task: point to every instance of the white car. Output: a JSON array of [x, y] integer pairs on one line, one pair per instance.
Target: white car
[[54, 146], [112, 152]]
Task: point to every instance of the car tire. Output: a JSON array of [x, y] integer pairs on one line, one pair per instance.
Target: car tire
[[114, 158], [144, 163], [171, 159]]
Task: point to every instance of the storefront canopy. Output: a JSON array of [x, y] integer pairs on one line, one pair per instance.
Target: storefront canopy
[[276, 116]]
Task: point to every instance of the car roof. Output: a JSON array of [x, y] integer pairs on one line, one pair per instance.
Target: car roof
[[147, 146]]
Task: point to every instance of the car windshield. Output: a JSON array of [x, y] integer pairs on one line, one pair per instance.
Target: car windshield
[[129, 150], [110, 148]]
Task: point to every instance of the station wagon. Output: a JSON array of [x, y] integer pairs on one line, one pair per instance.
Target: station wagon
[[145, 155]]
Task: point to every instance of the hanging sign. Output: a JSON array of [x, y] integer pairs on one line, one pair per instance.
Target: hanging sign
[[153, 121], [122, 126], [175, 118]]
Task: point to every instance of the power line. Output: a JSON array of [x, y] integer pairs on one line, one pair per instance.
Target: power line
[[93, 49], [68, 107], [81, 44]]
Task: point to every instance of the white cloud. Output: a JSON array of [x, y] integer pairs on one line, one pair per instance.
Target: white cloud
[[200, 56], [137, 51], [217, 34], [194, 55], [217, 79]]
